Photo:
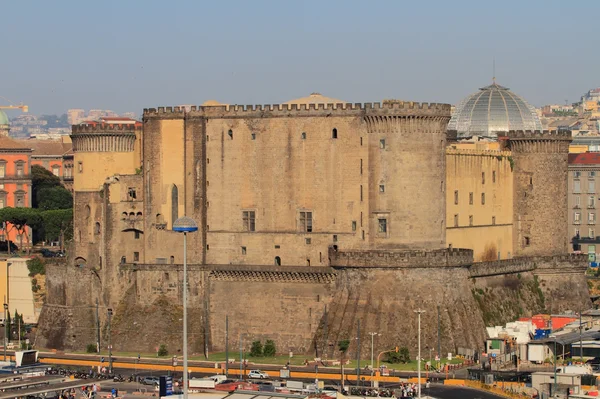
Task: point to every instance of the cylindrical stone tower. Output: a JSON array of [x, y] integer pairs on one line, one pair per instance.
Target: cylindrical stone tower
[[540, 161]]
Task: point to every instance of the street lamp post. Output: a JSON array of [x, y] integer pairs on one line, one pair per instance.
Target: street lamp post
[[185, 225], [5, 329], [110, 363], [372, 334], [419, 312]]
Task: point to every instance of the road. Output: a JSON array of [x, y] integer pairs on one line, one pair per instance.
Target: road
[[452, 392]]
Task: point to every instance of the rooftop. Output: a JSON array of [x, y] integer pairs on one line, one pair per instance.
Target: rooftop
[[585, 158], [315, 98]]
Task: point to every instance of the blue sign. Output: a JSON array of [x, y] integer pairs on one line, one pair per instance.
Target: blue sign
[[493, 355], [166, 385]]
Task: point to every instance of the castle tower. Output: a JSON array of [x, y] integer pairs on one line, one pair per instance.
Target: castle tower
[[540, 191]]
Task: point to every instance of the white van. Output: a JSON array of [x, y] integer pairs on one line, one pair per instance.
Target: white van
[[218, 378]]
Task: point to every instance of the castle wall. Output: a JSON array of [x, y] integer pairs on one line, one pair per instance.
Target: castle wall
[[479, 208]]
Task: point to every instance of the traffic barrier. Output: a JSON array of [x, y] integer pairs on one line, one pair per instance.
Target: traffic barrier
[[455, 382]]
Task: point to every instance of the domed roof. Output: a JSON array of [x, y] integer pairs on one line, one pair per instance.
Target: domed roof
[[315, 98], [211, 103], [493, 109], [3, 118]]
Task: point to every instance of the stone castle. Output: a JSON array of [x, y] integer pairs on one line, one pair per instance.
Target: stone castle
[[313, 215]]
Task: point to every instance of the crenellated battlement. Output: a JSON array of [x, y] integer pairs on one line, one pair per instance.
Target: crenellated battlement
[[539, 134], [274, 110], [104, 128], [450, 257], [489, 153]]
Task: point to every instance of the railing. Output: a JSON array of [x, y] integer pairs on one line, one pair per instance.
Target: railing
[[14, 176]]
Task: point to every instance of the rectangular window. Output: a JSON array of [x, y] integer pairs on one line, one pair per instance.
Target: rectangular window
[[335, 238], [382, 144], [470, 198], [592, 187], [253, 135], [493, 176], [382, 225], [576, 186], [20, 200], [361, 166], [249, 220], [137, 235], [455, 197], [591, 174], [482, 177], [591, 202], [2, 201], [456, 220], [136, 256], [243, 250], [353, 225], [20, 169], [526, 241], [482, 198], [2, 169], [80, 167], [576, 217], [381, 188], [361, 193], [576, 233], [307, 241], [493, 220], [470, 220], [306, 221], [591, 249], [577, 174], [591, 217], [363, 235], [577, 200], [591, 233]]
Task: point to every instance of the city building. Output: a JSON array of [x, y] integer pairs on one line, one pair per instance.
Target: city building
[[584, 170], [75, 116], [491, 112], [54, 155]]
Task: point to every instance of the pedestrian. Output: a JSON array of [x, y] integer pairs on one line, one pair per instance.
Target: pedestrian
[[113, 392]]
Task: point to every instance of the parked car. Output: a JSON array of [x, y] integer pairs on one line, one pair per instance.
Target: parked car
[[46, 253], [4, 246], [151, 380], [257, 374], [593, 361]]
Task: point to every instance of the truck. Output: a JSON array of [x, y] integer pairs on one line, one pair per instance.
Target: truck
[[201, 383]]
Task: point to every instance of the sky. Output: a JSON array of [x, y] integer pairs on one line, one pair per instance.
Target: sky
[[126, 55]]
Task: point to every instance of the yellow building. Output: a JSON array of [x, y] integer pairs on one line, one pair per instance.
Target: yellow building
[[479, 211]]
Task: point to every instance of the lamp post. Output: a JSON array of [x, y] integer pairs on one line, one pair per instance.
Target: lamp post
[[372, 334], [110, 364], [185, 225], [5, 329], [419, 312]]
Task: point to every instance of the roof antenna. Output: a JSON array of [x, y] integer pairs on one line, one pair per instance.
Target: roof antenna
[[494, 71]]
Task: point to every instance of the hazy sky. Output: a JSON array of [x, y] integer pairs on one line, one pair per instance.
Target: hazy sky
[[128, 55]]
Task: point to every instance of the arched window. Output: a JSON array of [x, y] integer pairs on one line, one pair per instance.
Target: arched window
[[172, 260], [138, 216], [230, 134], [277, 261], [334, 133], [174, 204], [124, 216], [159, 218], [88, 211], [131, 216], [97, 228]]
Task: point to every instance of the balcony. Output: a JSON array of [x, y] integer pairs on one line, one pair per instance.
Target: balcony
[[591, 222], [577, 222], [13, 176], [576, 206], [67, 178]]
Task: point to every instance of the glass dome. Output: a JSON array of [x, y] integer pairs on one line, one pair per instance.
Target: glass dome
[[493, 109]]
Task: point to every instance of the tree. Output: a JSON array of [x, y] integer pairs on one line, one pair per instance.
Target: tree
[[402, 356], [41, 178], [162, 350], [54, 198], [36, 266], [20, 219], [8, 326], [257, 349], [269, 350], [57, 224], [343, 345]]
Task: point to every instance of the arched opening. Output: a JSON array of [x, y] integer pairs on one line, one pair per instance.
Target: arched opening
[[124, 216], [159, 218], [334, 133], [80, 262], [88, 211], [123, 260], [230, 134], [172, 260], [131, 216], [174, 204], [303, 136], [97, 228], [138, 216], [277, 261], [307, 262]]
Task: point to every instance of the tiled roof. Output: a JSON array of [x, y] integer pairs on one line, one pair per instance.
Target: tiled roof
[[585, 158], [7, 143], [46, 147]]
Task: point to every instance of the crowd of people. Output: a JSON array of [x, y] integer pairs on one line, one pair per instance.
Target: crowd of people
[[405, 390]]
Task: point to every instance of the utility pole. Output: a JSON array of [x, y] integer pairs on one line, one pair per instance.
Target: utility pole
[[97, 327], [358, 353], [419, 312], [241, 357], [372, 334], [5, 326], [326, 348], [439, 346], [580, 341], [110, 362], [226, 345]]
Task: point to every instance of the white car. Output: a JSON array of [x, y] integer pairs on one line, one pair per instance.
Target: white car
[[257, 374]]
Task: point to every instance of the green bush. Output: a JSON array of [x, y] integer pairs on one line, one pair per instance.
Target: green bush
[[402, 356], [162, 350], [90, 348], [269, 350], [257, 349], [36, 266]]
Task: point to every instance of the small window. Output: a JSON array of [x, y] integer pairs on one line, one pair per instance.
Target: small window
[[382, 144], [230, 134], [172, 261], [303, 136], [482, 198], [455, 197], [253, 136], [243, 250], [56, 170], [493, 220], [80, 167], [2, 169], [249, 220], [361, 167], [306, 222], [577, 174], [20, 200], [136, 256], [97, 228], [361, 141], [137, 234], [207, 247], [591, 174], [456, 220], [20, 168], [334, 133], [307, 241], [131, 194], [354, 225], [361, 193], [470, 198], [482, 177], [493, 176], [307, 262], [591, 233], [335, 238], [526, 241], [382, 188], [531, 181], [382, 225], [277, 261], [363, 235], [470, 220]]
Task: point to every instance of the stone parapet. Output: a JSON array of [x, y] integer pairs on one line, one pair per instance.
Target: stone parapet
[[539, 134], [452, 257], [567, 263], [490, 153]]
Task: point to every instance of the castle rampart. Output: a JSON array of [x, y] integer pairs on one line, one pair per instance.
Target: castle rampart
[[400, 259]]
